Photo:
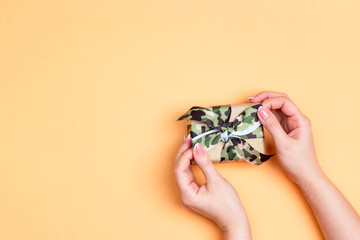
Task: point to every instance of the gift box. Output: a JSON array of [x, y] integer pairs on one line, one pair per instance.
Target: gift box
[[229, 133]]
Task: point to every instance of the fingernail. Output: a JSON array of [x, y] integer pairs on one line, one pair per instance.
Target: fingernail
[[263, 113], [199, 149], [251, 97]]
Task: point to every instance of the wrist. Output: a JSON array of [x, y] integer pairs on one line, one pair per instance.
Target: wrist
[[305, 174], [238, 233], [237, 230], [311, 178]]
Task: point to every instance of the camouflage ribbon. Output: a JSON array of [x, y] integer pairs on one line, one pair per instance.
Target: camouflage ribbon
[[217, 127]]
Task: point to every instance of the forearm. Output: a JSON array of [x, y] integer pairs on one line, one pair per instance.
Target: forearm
[[335, 215]]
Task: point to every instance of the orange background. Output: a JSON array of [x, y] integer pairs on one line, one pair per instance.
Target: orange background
[[90, 91]]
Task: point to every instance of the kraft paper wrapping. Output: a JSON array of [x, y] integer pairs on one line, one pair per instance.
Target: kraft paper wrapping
[[247, 146]]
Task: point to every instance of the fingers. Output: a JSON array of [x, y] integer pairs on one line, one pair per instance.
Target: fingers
[[271, 123], [184, 176], [184, 179], [203, 161], [277, 115], [277, 101], [186, 145], [265, 95], [284, 104]]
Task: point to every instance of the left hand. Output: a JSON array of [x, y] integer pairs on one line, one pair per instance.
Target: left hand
[[216, 199]]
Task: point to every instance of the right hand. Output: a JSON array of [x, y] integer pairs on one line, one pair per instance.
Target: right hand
[[292, 134]]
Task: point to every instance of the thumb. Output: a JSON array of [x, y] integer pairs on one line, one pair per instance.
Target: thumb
[[270, 122], [204, 162]]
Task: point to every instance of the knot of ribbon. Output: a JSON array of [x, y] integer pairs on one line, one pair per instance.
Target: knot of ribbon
[[216, 126]]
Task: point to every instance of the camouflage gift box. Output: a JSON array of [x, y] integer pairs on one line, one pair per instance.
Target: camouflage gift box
[[228, 133]]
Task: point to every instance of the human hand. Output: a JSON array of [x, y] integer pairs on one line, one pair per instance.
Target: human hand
[[216, 199], [292, 134]]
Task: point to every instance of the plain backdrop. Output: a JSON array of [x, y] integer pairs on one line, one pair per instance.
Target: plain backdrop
[[90, 91]]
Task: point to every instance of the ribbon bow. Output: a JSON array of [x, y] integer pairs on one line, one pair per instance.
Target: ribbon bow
[[217, 127]]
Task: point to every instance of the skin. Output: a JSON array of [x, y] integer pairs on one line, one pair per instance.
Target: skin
[[292, 134]]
